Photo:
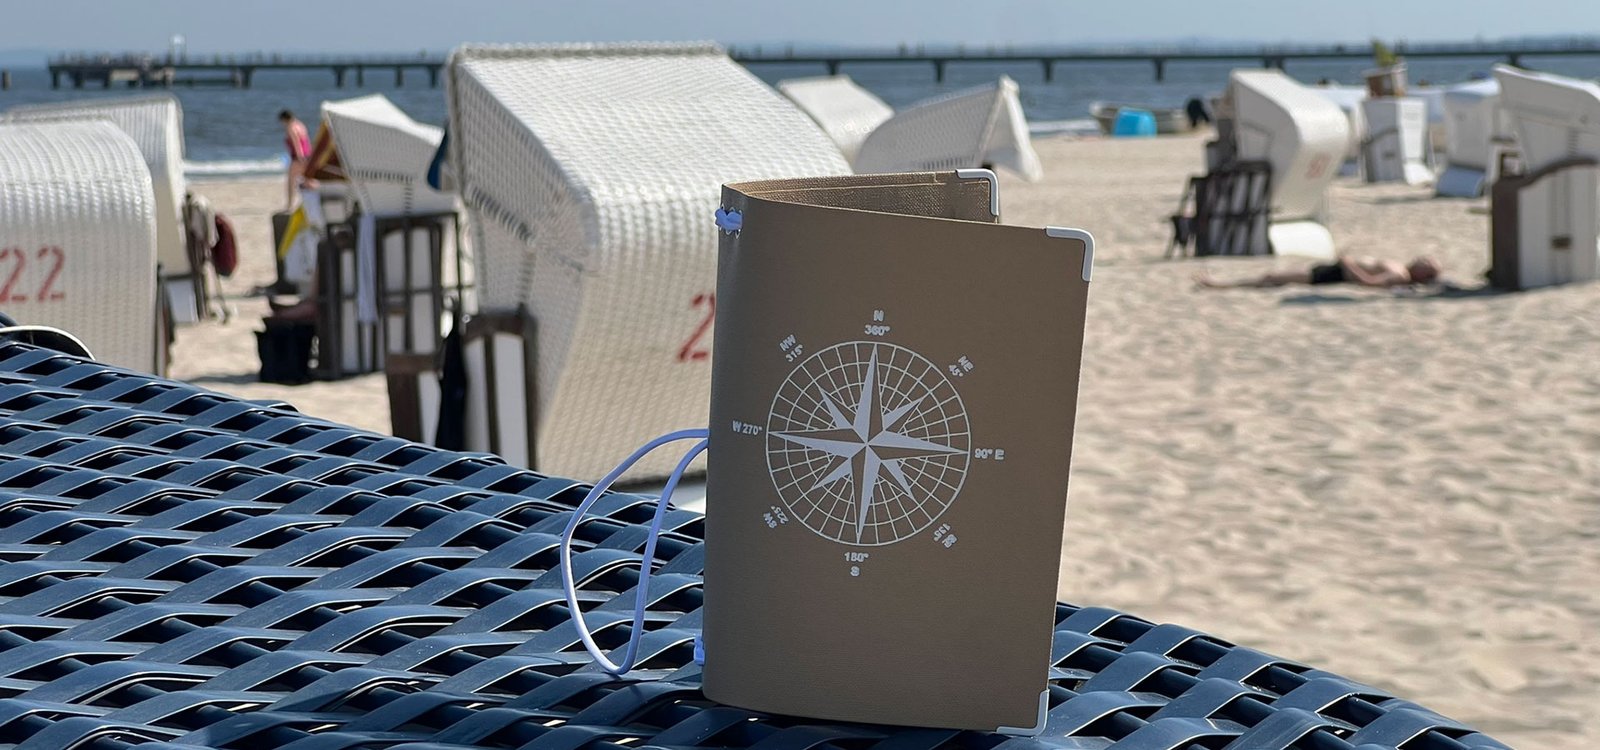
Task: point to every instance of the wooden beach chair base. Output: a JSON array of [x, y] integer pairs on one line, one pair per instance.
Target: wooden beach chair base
[[1231, 212], [346, 346], [1542, 225]]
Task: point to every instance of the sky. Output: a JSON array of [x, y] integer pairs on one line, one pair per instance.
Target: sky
[[30, 26]]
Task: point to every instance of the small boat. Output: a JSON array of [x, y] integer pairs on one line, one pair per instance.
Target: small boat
[[1169, 120]]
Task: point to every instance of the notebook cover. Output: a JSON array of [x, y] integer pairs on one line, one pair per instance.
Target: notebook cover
[[893, 395]]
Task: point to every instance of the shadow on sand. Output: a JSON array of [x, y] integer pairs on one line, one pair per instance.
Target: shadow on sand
[[235, 378], [1442, 292]]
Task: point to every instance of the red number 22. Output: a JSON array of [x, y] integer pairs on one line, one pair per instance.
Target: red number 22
[[19, 266]]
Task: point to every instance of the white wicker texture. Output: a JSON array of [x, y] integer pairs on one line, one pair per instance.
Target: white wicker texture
[[591, 173], [155, 122], [78, 236], [845, 111], [386, 155], [979, 127]]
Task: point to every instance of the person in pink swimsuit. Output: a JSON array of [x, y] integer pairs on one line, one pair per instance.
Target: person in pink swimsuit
[[298, 142]]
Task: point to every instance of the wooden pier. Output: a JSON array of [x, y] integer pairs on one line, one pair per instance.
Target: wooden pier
[[1159, 57], [141, 70]]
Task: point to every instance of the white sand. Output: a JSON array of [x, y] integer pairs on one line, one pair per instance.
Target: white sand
[[1404, 490]]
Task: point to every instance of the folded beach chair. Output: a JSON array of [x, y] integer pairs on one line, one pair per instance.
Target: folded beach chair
[[156, 124], [591, 173], [1478, 130], [979, 127], [845, 111], [406, 268], [1545, 222], [78, 237], [1278, 145]]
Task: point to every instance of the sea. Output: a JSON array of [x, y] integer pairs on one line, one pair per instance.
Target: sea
[[234, 132]]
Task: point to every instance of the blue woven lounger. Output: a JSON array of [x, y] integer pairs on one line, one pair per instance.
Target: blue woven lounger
[[182, 569]]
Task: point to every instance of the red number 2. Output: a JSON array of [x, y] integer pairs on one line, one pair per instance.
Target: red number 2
[[695, 349], [1318, 166], [16, 272], [55, 270]]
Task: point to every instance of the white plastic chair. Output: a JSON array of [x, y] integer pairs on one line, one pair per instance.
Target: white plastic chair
[[845, 111], [979, 127], [591, 174], [78, 236]]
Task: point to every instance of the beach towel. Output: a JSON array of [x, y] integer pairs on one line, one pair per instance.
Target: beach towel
[[367, 268], [225, 252]]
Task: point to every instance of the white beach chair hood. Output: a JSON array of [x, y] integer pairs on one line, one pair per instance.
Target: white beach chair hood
[[79, 246], [978, 127], [156, 125], [592, 173], [1555, 116], [386, 155], [845, 111], [1349, 99], [1304, 136]]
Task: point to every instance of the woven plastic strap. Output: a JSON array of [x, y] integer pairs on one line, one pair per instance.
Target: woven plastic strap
[[181, 569]]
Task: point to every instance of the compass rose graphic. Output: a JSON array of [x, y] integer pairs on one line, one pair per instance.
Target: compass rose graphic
[[867, 442]]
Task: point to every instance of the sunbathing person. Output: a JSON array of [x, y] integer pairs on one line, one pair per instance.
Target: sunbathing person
[[1363, 270]]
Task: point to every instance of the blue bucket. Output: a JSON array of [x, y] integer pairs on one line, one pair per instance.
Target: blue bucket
[[1135, 123]]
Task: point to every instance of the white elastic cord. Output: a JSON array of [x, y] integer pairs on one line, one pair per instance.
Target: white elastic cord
[[641, 596], [83, 350]]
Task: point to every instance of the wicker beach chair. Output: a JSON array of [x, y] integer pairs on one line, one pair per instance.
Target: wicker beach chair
[[1279, 141], [1545, 222], [845, 111], [979, 127], [156, 124], [407, 267], [591, 173], [78, 237], [1478, 130]]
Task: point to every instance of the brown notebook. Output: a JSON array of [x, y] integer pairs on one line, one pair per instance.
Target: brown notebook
[[893, 391]]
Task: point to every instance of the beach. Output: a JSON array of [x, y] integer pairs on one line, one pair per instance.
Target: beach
[[1400, 488]]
